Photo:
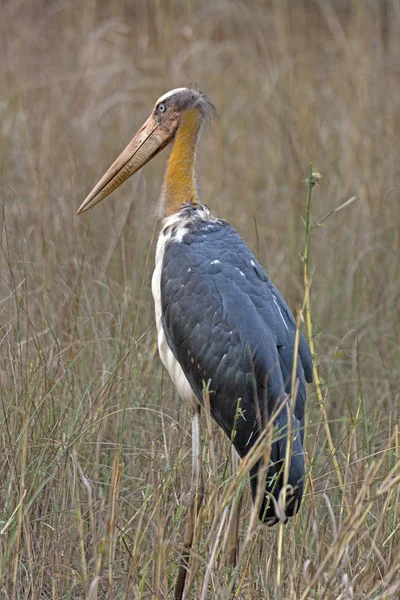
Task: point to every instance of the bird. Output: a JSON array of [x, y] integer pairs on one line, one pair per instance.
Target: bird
[[221, 322]]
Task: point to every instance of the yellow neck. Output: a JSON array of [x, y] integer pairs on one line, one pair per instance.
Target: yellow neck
[[179, 184]]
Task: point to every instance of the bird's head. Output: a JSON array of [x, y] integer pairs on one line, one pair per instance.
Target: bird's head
[[156, 133]]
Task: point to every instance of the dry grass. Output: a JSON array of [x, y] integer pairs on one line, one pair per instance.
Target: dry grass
[[94, 442]]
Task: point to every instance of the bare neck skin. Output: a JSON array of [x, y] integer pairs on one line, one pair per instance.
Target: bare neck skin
[[180, 181]]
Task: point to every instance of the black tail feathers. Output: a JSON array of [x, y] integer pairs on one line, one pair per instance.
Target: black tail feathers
[[272, 507]]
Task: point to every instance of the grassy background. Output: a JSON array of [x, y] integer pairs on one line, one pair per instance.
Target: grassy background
[[95, 444]]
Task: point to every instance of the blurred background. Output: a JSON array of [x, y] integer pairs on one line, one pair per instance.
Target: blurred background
[[82, 388]]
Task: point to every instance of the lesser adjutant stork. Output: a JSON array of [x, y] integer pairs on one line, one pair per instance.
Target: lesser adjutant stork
[[220, 320]]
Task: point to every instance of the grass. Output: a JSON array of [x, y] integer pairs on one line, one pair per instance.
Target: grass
[[95, 443]]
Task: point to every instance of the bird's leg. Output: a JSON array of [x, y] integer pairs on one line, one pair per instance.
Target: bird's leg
[[196, 497], [232, 539]]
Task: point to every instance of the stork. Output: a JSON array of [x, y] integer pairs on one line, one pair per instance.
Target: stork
[[220, 320]]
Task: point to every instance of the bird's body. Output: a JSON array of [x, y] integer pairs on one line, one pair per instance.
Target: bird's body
[[221, 323]]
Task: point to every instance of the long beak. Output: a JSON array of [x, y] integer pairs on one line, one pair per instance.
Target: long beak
[[149, 140]]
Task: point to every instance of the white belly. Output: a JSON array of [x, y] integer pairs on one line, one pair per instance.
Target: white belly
[[168, 359]]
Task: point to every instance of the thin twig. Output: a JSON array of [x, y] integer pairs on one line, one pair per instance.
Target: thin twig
[[313, 178]]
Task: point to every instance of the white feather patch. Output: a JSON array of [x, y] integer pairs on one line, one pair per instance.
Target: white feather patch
[[280, 312], [171, 93], [167, 358]]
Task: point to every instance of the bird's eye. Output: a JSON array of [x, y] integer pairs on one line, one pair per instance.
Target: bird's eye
[[161, 107]]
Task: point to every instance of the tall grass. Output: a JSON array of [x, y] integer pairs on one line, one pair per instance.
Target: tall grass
[[95, 444]]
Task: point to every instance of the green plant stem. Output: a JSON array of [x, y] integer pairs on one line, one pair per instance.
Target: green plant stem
[[311, 181]]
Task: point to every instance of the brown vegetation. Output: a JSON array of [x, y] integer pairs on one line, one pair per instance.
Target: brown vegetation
[[94, 442]]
